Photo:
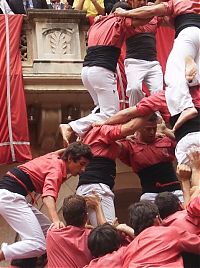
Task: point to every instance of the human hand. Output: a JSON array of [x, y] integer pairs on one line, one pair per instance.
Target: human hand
[[120, 12], [96, 19], [184, 172], [93, 200], [115, 222], [126, 232], [194, 156], [125, 228], [57, 225]]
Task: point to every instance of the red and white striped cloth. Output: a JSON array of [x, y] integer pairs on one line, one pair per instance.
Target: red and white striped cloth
[[14, 137]]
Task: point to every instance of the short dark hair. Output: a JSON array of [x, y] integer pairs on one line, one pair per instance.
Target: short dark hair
[[167, 203], [76, 150], [123, 5], [153, 118], [142, 215], [103, 239], [74, 210]]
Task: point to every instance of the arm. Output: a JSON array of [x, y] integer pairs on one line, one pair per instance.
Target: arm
[[50, 203], [121, 117], [194, 157], [94, 202], [184, 174], [99, 8], [126, 229], [132, 126], [143, 12], [162, 129]]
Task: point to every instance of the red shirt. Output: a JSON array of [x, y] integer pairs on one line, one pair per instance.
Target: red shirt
[[113, 30], [193, 210], [110, 31], [140, 155], [183, 221], [159, 246], [178, 7], [47, 173], [111, 260], [102, 141], [67, 247], [157, 102], [150, 27]]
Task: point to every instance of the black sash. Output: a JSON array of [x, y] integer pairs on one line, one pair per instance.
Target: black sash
[[99, 170], [159, 178], [11, 184], [102, 56], [186, 20], [141, 46], [192, 125]]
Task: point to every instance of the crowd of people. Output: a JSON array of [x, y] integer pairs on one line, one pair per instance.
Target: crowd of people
[[158, 136]]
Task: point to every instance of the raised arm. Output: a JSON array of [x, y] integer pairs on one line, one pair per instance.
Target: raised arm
[[184, 174], [143, 12], [121, 117], [194, 157], [94, 202], [132, 126]]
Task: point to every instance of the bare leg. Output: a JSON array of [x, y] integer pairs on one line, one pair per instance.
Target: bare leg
[[66, 132], [186, 115], [190, 68]]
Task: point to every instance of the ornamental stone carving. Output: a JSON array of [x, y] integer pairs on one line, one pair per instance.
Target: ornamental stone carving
[[59, 40]]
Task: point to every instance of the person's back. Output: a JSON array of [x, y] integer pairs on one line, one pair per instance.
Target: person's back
[[155, 245], [67, 247], [159, 246], [173, 214]]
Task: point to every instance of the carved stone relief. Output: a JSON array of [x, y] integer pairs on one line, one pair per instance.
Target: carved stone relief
[[59, 40]]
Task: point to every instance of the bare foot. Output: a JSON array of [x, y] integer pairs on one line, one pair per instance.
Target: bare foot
[[66, 132], [187, 114], [190, 69]]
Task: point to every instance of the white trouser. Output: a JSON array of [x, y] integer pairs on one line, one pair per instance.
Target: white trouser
[[191, 140], [107, 200], [177, 93], [138, 71], [102, 86], [151, 196], [28, 222]]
